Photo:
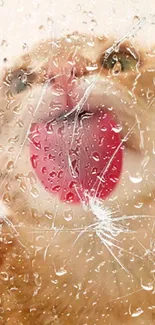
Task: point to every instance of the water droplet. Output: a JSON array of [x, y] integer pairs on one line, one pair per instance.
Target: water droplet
[[68, 39], [31, 178], [85, 13], [25, 47], [17, 109], [30, 108], [56, 188], [4, 43], [48, 215], [60, 174], [37, 144], [117, 128], [52, 174], [34, 160], [92, 68], [32, 309], [34, 213], [34, 192], [4, 276], [6, 198], [23, 186], [10, 165], [10, 149], [51, 157], [50, 21], [54, 281], [103, 128], [91, 43], [78, 7], [14, 139], [72, 184], [46, 148], [93, 23], [20, 123], [137, 313], [26, 277], [61, 130], [19, 177], [41, 27], [138, 205], [44, 170], [37, 279], [90, 14], [94, 171], [56, 319], [69, 197], [147, 287], [49, 127], [60, 272], [136, 19], [1, 148], [113, 179], [101, 141], [74, 163], [136, 179], [117, 68], [149, 93], [68, 215], [96, 156]]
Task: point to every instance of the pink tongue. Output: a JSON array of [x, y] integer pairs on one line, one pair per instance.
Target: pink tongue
[[77, 158]]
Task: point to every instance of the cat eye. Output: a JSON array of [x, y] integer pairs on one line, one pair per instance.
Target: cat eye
[[19, 80], [120, 62]]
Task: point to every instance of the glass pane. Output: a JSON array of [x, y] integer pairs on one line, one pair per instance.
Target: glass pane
[[77, 157]]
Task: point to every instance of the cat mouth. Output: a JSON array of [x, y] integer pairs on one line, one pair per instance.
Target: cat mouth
[[77, 155], [81, 151]]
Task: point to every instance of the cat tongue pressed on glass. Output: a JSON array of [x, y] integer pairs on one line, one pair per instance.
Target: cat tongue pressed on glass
[[77, 157]]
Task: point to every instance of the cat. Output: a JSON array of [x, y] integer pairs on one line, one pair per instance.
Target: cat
[[84, 262]]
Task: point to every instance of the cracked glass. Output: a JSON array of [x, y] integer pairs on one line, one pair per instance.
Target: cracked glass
[[77, 161]]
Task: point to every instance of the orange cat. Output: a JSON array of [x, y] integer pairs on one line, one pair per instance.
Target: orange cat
[[84, 262]]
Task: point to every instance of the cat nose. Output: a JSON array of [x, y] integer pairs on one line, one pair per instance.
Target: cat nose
[[72, 67], [72, 58], [66, 75], [68, 70]]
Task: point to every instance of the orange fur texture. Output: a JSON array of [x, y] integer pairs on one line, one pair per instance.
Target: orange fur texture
[[51, 271]]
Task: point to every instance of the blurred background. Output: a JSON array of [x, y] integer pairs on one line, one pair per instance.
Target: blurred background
[[23, 23]]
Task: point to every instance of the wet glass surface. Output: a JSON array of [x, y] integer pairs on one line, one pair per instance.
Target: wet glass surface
[[77, 157]]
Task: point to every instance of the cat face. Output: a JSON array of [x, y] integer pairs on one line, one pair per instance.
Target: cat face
[[89, 260]]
